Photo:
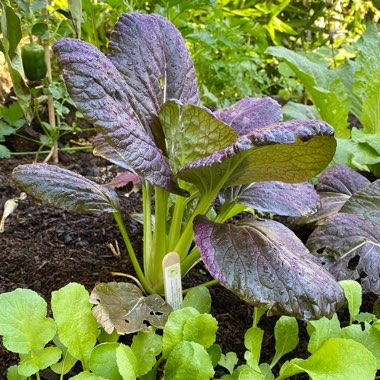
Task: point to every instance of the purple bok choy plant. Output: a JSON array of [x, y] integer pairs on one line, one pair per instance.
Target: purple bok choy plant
[[143, 100]]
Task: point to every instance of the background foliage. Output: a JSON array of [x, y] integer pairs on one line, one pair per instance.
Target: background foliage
[[228, 40]]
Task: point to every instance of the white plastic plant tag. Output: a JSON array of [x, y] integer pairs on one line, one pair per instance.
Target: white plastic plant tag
[[172, 280], [9, 207]]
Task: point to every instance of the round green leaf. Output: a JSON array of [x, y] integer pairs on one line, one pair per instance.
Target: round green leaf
[[23, 321], [189, 361], [103, 361], [201, 329], [77, 327], [173, 330]]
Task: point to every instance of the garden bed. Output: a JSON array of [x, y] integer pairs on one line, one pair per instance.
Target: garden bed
[[45, 248]]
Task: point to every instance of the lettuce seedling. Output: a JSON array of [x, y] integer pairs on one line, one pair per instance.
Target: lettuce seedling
[[143, 100]]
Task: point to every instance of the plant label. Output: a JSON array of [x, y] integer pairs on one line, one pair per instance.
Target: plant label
[[172, 280]]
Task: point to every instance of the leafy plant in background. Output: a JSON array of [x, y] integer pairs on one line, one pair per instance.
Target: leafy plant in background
[[353, 87], [227, 40], [31, 19], [185, 350], [11, 119], [149, 123], [11, 36]]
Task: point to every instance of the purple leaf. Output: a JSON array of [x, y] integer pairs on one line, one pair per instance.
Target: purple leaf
[[274, 197], [250, 113], [290, 152], [105, 150], [65, 189], [341, 179], [264, 263], [349, 247], [335, 186], [365, 202], [99, 92], [153, 58]]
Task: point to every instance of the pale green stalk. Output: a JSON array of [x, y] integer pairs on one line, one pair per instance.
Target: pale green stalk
[[131, 253], [154, 265], [176, 222], [147, 226]]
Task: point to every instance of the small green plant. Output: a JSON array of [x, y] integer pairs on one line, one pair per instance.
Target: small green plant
[[342, 353], [150, 123], [11, 119], [185, 350]]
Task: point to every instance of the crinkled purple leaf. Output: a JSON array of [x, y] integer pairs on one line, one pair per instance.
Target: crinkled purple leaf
[[105, 150], [331, 203], [341, 179], [192, 133], [275, 197], [122, 306], [365, 202], [154, 60], [290, 152], [251, 113], [349, 247], [65, 189], [100, 93], [264, 263], [335, 186]]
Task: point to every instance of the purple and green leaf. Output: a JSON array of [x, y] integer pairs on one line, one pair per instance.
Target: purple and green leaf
[[348, 246], [250, 113], [264, 263], [153, 58], [335, 186], [274, 197], [192, 133], [365, 202], [107, 97], [290, 152], [65, 189]]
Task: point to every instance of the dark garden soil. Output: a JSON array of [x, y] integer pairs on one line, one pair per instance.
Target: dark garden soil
[[44, 248]]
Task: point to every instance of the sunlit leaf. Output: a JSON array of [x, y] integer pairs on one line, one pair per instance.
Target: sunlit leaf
[[63, 188], [71, 303], [23, 322], [290, 152]]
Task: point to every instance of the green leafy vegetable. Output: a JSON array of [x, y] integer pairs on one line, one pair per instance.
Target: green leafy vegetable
[[23, 322], [286, 335], [228, 361], [45, 358], [189, 361], [353, 294], [146, 346], [71, 303], [199, 298], [334, 358]]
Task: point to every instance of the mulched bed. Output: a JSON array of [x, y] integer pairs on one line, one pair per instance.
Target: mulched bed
[[44, 248]]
